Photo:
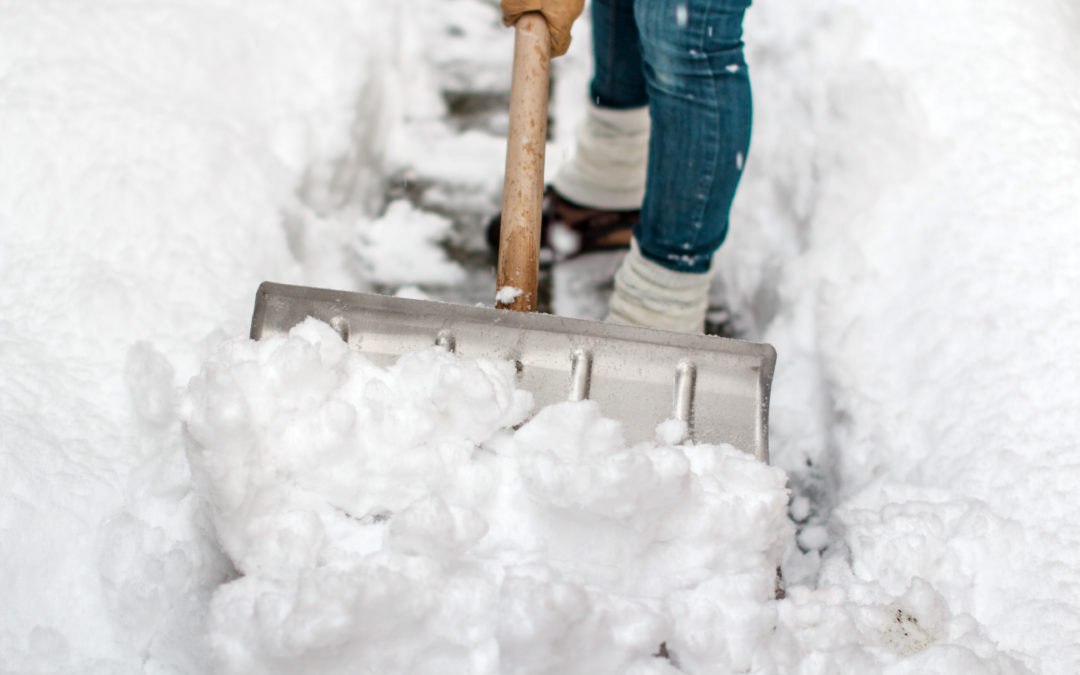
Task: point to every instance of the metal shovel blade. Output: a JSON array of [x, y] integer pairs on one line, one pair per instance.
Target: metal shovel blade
[[640, 377]]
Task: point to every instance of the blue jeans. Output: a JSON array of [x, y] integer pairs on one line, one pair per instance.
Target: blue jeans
[[684, 59]]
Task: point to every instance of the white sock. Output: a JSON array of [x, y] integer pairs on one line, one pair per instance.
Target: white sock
[[651, 295], [607, 167]]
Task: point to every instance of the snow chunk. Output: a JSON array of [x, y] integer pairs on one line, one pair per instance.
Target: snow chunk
[[506, 295], [389, 518]]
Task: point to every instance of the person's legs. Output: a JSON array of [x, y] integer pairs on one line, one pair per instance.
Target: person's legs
[[699, 100], [607, 167], [680, 63], [618, 79]]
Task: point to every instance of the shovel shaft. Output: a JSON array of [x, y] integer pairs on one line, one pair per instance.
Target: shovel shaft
[[523, 189]]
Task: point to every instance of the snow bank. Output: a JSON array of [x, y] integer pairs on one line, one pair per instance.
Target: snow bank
[[158, 160], [391, 520], [907, 239]]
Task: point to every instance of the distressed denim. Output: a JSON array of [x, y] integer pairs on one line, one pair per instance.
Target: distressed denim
[[684, 59]]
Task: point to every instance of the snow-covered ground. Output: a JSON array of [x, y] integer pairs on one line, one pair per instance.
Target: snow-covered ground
[[177, 499]]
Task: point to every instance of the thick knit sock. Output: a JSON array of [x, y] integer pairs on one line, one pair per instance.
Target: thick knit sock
[[651, 295], [607, 167]]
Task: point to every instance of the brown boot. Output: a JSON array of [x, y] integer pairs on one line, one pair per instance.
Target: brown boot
[[568, 229]]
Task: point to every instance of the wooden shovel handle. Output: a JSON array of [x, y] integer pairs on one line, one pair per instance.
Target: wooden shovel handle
[[523, 190]]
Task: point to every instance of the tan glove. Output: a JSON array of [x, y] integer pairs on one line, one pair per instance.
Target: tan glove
[[560, 14]]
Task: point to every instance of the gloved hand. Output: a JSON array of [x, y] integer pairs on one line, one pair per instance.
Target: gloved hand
[[560, 14]]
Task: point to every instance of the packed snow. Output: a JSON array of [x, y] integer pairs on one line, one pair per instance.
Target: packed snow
[[175, 498]]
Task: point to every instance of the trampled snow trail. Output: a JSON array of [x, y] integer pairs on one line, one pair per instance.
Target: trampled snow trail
[[919, 262], [904, 236]]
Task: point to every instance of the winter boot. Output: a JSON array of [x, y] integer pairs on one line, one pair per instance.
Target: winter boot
[[595, 198], [568, 229]]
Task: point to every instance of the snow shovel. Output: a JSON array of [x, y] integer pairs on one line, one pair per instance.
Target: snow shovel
[[717, 387]]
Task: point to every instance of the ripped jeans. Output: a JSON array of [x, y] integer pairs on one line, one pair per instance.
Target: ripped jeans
[[684, 59]]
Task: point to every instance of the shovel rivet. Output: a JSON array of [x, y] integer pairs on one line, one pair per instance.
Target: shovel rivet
[[580, 375], [685, 377], [341, 326], [445, 340]]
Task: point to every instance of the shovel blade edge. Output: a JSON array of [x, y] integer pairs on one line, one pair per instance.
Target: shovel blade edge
[[641, 377]]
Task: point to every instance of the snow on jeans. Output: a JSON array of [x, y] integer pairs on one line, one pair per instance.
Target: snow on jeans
[[684, 59]]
